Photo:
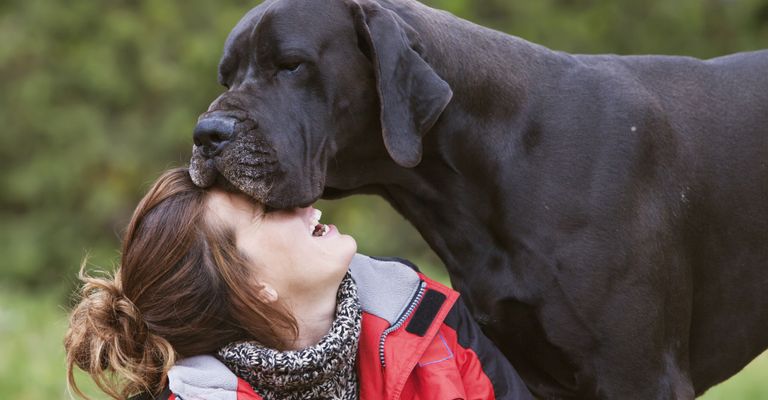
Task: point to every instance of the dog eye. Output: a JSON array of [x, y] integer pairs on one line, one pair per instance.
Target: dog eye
[[291, 67]]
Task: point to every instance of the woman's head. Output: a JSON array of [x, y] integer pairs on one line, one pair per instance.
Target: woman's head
[[195, 274], [294, 257]]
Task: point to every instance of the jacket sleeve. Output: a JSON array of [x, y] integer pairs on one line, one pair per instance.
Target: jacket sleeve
[[478, 355]]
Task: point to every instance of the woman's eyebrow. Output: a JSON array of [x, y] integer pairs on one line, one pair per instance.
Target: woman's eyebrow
[[256, 208], [255, 203], [257, 213]]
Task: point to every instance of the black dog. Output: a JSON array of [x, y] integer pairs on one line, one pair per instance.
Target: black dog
[[605, 217]]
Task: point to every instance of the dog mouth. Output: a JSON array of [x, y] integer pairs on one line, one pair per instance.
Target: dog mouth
[[246, 165], [249, 165], [246, 161]]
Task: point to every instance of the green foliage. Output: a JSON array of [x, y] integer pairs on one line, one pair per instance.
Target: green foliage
[[698, 28], [98, 97], [31, 334]]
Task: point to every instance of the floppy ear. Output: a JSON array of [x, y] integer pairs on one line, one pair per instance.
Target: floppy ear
[[411, 94]]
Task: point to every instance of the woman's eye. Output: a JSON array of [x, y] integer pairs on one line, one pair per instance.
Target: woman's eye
[[268, 209]]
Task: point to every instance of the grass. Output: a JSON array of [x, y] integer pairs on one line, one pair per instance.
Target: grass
[[32, 355], [749, 384], [31, 351]]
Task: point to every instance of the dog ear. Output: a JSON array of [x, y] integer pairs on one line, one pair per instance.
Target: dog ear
[[412, 96]]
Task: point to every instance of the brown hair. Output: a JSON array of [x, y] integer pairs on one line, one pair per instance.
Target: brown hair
[[182, 289]]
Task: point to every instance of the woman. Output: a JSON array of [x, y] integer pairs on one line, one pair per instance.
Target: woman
[[217, 299]]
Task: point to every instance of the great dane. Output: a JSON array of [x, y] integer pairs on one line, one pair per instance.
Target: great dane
[[605, 217]]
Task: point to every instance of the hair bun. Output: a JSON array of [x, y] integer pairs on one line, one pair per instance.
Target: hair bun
[[109, 339], [115, 315]]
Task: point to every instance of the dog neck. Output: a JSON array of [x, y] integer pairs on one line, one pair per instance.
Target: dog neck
[[449, 196], [477, 61]]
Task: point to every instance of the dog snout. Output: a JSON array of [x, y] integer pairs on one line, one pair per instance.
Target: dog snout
[[213, 134]]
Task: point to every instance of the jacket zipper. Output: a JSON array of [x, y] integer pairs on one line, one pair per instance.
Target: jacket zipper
[[400, 321]]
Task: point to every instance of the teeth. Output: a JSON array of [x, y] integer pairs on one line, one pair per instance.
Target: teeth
[[315, 221], [316, 214], [324, 229]]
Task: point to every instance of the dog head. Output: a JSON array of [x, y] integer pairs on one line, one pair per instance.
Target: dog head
[[310, 82]]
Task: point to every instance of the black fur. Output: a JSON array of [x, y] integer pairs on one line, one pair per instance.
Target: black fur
[[604, 217]]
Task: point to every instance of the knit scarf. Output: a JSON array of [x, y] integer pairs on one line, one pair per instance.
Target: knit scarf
[[323, 371]]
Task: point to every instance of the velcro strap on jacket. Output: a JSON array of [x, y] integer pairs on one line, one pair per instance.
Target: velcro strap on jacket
[[426, 313]]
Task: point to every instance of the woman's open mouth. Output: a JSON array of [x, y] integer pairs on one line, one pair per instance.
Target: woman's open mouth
[[316, 228]]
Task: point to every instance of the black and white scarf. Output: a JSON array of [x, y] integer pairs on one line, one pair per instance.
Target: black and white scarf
[[323, 371]]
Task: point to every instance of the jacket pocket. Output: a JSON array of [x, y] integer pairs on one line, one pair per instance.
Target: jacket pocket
[[437, 374]]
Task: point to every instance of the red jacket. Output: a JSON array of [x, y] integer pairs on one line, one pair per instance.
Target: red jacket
[[417, 342]]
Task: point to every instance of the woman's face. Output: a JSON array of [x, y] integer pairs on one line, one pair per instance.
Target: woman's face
[[285, 246]]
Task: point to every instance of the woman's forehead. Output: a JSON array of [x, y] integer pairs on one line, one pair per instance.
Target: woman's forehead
[[232, 206]]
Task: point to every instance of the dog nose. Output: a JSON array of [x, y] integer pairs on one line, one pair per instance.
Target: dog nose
[[213, 133]]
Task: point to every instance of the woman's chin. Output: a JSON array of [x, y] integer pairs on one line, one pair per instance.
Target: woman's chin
[[347, 250], [352, 247]]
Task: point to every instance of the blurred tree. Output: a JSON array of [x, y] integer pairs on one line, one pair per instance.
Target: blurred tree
[[97, 98]]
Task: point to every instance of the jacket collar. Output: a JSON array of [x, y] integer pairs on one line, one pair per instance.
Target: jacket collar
[[403, 311], [202, 377], [385, 288]]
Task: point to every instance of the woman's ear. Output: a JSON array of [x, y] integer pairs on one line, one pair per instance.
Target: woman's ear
[[267, 294]]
